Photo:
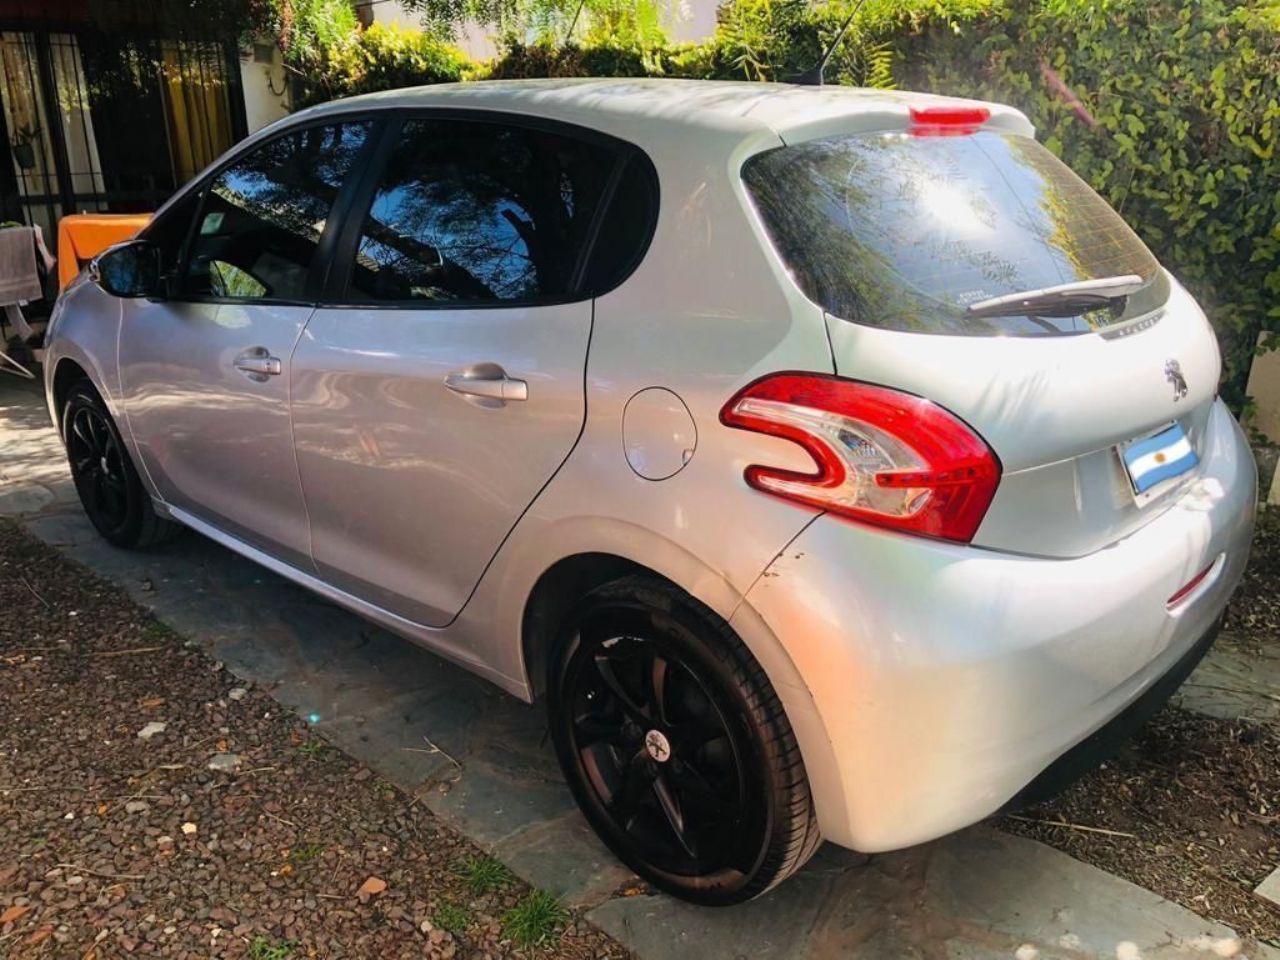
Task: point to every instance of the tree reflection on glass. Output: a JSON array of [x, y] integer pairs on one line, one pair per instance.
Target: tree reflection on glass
[[264, 216], [471, 211], [904, 232]]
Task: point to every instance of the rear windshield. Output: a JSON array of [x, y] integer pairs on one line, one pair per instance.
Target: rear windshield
[[906, 232]]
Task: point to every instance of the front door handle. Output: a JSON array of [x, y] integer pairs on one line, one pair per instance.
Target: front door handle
[[258, 364], [496, 387]]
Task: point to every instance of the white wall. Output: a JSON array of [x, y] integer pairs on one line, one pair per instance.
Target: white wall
[[692, 20], [262, 78]]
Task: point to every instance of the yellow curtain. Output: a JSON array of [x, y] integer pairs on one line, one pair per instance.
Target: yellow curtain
[[197, 105]]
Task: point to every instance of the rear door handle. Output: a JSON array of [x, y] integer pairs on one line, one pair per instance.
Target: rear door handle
[[258, 364], [500, 387]]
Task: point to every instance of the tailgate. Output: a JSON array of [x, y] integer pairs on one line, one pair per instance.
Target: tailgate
[[1055, 412]]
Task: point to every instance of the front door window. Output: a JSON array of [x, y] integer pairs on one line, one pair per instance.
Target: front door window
[[263, 217]]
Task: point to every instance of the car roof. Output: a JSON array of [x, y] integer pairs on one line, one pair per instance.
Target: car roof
[[650, 106]]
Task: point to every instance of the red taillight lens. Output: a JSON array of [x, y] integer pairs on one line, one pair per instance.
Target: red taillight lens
[[947, 121], [882, 456]]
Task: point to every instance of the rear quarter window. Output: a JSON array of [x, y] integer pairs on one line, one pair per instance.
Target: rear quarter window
[[904, 232]]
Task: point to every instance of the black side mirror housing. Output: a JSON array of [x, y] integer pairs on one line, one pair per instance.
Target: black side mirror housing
[[130, 269]]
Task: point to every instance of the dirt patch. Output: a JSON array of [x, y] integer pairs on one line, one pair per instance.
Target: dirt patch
[[1253, 618], [151, 804], [1196, 806]]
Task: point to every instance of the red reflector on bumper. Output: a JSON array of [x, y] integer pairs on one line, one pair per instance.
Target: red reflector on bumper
[[1189, 586]]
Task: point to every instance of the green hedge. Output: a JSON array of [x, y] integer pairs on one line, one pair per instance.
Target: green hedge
[[379, 58], [1183, 95]]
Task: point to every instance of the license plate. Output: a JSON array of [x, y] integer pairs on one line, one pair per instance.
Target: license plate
[[1157, 458]]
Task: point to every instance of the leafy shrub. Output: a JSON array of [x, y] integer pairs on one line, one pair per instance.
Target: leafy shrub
[[520, 61], [383, 57]]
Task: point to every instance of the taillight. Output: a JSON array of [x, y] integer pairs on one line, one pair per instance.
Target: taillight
[[947, 121], [882, 456]]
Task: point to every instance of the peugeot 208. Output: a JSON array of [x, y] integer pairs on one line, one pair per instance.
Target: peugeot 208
[[833, 463]]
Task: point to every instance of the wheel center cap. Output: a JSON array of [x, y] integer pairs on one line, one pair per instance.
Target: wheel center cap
[[105, 468], [657, 746]]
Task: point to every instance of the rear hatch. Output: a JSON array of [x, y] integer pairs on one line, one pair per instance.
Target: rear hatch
[[973, 268]]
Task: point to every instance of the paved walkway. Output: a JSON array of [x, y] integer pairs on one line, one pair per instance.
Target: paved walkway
[[478, 758]]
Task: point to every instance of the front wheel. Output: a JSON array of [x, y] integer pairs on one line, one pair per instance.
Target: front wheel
[[676, 746], [110, 490]]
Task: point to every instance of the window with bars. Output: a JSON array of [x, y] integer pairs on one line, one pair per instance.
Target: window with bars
[[96, 120]]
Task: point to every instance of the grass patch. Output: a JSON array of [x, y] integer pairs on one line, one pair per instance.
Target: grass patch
[[313, 749], [537, 918], [452, 917], [305, 852], [153, 631], [262, 948], [484, 875]]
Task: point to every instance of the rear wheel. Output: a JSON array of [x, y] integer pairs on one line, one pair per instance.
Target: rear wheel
[[676, 746], [110, 491]]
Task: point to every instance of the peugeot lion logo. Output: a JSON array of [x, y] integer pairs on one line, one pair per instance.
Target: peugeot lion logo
[[658, 746], [1173, 373]]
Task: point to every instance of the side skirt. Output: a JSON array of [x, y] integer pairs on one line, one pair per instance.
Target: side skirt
[[430, 638]]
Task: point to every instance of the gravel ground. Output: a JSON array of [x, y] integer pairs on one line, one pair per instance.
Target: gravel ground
[[1193, 806], [118, 839], [1253, 619], [114, 844], [1196, 801]]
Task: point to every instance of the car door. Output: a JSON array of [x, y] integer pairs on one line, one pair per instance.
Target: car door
[[443, 387], [205, 372]]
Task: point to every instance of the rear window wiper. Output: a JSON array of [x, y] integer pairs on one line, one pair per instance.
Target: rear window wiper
[[1065, 300]]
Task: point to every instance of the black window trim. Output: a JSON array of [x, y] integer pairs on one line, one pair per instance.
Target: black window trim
[[335, 293], [319, 269]]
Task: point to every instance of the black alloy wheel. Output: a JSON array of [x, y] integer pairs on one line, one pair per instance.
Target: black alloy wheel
[[110, 491], [97, 466], [676, 747]]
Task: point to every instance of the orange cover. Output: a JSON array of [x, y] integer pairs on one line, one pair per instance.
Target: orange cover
[[82, 236]]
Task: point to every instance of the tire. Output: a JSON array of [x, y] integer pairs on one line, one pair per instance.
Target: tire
[[675, 745], [110, 490]]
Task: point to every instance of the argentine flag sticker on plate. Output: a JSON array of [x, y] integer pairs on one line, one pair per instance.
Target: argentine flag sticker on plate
[[1158, 458]]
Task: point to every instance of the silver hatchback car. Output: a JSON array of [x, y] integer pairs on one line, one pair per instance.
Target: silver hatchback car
[[834, 463]]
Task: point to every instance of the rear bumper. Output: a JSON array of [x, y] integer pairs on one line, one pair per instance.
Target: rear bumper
[[1104, 742], [944, 679]]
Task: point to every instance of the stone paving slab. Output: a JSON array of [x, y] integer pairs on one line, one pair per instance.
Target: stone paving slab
[[1269, 888], [978, 894], [1230, 684], [479, 759]]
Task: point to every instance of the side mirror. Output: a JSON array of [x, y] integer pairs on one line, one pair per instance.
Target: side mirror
[[130, 269]]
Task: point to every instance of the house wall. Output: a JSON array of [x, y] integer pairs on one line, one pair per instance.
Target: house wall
[[1264, 388], [692, 20], [265, 86]]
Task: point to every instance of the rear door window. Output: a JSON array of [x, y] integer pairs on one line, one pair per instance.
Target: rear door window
[[905, 232], [469, 211]]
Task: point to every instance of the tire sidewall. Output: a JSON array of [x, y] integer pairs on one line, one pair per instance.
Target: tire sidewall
[[672, 626], [126, 533]]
